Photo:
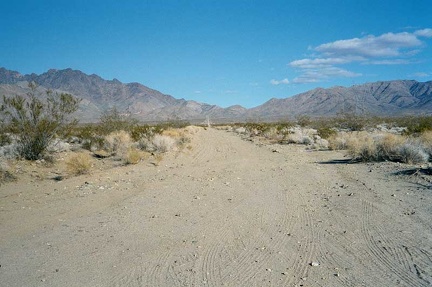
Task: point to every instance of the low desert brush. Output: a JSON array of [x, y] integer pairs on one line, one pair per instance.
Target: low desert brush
[[362, 146], [5, 174], [78, 164], [388, 147], [412, 152], [426, 142], [118, 142], [133, 156], [163, 143]]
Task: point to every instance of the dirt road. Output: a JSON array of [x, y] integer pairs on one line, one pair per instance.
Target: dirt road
[[228, 212]]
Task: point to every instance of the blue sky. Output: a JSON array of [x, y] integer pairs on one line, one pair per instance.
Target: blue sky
[[222, 52]]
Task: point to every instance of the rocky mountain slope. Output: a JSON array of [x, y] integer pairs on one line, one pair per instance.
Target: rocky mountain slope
[[379, 98], [99, 95]]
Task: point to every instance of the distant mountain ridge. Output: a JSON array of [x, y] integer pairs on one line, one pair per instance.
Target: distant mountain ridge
[[387, 98], [99, 95], [146, 104]]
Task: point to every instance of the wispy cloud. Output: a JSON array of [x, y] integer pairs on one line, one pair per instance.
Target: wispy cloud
[[281, 82], [386, 49], [424, 33], [421, 75]]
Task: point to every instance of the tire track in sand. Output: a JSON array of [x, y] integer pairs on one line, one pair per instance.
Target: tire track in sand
[[390, 255]]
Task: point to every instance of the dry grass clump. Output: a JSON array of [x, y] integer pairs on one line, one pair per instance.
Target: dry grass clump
[[365, 146], [362, 146], [339, 141], [133, 156], [192, 129], [163, 143], [118, 142], [389, 145], [301, 136], [412, 152], [426, 141], [79, 163], [5, 174]]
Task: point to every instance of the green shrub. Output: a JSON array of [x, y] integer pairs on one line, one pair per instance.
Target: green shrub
[[37, 121]]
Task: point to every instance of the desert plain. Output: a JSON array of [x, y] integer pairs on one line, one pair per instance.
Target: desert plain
[[225, 212]]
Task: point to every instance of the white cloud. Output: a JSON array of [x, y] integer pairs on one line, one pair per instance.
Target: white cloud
[[319, 75], [276, 82], [390, 62], [317, 62], [424, 33], [386, 49], [386, 45], [421, 75]]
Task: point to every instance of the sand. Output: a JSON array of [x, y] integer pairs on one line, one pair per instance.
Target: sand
[[227, 212]]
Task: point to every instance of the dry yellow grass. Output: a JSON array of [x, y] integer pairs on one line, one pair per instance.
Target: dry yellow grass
[[174, 133], [133, 156], [79, 163], [118, 142]]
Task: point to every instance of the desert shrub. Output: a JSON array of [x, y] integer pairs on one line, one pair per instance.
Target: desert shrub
[[417, 125], [300, 135], [388, 147], [8, 151], [192, 129], [413, 153], [112, 120], [118, 143], [133, 156], [139, 132], [78, 164], [362, 146], [146, 145], [58, 145], [36, 120], [304, 120], [272, 133], [320, 144], [385, 147], [5, 173], [163, 143], [90, 136], [5, 139], [426, 141], [326, 132], [350, 122]]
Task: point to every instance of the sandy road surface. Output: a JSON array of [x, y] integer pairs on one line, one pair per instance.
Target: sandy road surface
[[226, 213]]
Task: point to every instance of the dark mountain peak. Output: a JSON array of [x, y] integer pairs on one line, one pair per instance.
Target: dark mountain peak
[[9, 77]]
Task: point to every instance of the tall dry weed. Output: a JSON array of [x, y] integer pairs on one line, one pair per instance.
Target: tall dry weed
[[118, 142], [388, 147], [412, 152], [426, 141], [133, 156], [362, 146], [163, 143], [78, 164]]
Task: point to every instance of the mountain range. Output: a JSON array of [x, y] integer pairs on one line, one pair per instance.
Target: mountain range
[[387, 98]]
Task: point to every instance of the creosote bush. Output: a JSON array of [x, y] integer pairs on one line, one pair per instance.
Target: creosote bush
[[36, 120]]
